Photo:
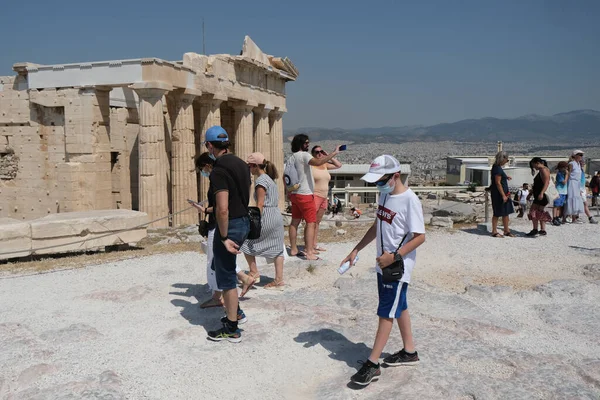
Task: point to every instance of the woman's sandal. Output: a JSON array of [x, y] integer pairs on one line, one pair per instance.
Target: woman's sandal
[[255, 275], [509, 234], [274, 285], [212, 303], [497, 235], [247, 284]]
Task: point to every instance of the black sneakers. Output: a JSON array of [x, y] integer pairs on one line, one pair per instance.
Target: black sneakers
[[402, 358], [366, 373], [225, 334]]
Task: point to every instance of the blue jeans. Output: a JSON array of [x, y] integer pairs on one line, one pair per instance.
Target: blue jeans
[[224, 262]]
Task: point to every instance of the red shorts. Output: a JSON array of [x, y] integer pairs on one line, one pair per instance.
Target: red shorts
[[303, 207], [320, 202]]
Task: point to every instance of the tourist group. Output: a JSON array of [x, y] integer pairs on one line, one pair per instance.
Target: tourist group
[[398, 230], [567, 194]]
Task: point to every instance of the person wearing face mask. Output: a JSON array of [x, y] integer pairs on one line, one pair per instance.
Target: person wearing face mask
[[230, 186], [399, 229], [204, 165]]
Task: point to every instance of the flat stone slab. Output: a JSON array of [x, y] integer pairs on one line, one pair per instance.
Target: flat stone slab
[[67, 232]]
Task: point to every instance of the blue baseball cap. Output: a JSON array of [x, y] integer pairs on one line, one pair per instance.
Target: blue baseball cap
[[216, 134]]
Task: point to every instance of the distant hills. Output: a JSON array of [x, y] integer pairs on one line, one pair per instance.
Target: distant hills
[[578, 125]]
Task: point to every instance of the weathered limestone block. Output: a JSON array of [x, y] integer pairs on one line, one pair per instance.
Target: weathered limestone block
[[15, 238], [442, 222], [65, 228]]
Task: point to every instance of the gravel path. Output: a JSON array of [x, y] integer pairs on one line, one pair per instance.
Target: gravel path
[[492, 318]]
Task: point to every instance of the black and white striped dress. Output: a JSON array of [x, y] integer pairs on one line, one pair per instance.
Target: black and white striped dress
[[270, 244]]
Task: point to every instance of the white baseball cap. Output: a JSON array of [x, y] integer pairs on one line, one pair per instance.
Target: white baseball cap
[[382, 165]]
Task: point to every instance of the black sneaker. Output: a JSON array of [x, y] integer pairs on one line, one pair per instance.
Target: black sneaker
[[402, 358], [543, 233], [532, 233], [555, 222], [366, 373], [225, 334]]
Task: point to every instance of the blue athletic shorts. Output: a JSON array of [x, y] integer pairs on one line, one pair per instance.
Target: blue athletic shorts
[[560, 201], [392, 298], [224, 262]]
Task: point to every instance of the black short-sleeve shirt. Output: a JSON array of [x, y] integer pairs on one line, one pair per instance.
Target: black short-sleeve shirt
[[232, 174]]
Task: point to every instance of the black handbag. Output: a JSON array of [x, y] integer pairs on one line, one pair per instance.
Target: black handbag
[[255, 222], [394, 271], [203, 226]]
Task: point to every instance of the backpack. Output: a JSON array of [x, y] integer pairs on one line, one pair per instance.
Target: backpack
[[290, 175], [517, 196]]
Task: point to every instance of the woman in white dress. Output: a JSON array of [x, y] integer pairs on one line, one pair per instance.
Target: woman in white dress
[[574, 204]]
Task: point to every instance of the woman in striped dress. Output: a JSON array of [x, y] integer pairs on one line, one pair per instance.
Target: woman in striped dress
[[270, 244]]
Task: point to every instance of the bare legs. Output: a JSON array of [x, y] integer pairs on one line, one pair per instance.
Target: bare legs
[[494, 225], [294, 236], [320, 214], [383, 333], [505, 224], [309, 239]]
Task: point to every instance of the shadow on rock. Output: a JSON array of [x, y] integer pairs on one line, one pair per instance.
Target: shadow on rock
[[340, 347], [207, 317], [479, 232]]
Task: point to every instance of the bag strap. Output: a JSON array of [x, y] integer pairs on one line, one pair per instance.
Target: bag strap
[[381, 231]]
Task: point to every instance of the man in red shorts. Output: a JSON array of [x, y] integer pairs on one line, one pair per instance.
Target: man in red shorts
[[302, 199]]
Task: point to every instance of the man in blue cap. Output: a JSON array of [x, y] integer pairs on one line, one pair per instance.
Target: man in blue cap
[[230, 184]]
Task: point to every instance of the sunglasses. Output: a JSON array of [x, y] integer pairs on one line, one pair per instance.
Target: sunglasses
[[250, 165], [320, 152], [383, 181]]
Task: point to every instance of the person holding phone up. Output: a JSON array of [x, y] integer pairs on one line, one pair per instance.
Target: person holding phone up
[[322, 177]]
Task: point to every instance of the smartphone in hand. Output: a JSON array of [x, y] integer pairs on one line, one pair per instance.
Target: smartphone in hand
[[193, 202], [343, 147]]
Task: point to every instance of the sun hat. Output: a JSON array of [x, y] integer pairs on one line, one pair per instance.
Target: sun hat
[[381, 166], [256, 158], [216, 134], [575, 152]]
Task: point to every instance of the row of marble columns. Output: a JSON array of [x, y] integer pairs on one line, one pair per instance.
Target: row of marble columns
[[256, 128]]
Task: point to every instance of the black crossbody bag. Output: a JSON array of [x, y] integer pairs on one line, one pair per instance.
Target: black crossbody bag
[[394, 271]]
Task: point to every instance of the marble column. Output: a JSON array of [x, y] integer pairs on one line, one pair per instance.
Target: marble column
[[276, 128], [153, 190], [243, 129], [183, 174], [262, 136], [210, 115]]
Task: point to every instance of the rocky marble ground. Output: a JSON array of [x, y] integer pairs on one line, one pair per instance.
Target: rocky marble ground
[[511, 318]]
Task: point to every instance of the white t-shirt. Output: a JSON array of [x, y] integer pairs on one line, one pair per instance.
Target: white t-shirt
[[523, 197], [397, 215], [307, 183]]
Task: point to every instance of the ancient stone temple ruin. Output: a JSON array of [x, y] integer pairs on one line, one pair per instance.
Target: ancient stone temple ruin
[[123, 134]]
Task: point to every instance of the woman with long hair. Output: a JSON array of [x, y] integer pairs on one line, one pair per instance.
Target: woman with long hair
[[321, 177], [270, 244], [502, 204], [537, 213], [204, 165]]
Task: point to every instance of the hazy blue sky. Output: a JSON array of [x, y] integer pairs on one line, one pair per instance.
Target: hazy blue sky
[[361, 63]]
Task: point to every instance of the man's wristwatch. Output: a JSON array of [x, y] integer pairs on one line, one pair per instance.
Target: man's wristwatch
[[223, 238], [397, 256]]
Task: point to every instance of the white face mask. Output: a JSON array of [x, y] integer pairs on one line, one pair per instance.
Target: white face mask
[[387, 188]]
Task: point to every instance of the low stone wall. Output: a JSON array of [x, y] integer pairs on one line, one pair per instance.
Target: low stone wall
[[70, 232]]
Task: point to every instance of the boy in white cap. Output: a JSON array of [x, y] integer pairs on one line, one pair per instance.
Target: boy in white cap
[[399, 230]]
